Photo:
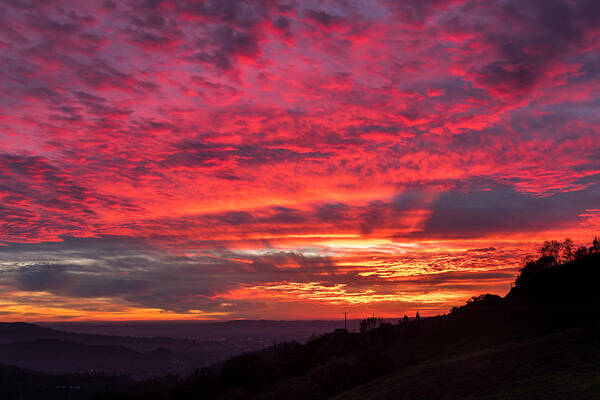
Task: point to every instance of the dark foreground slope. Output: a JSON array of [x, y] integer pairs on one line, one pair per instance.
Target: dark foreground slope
[[564, 365]]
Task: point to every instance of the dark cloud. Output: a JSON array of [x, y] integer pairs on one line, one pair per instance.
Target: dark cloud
[[282, 23], [261, 155], [193, 153], [332, 212], [97, 105], [238, 13], [109, 4], [61, 33], [324, 18], [25, 4], [236, 31], [555, 28], [225, 44], [373, 215], [504, 210], [154, 30], [43, 278], [77, 281], [507, 77], [100, 75], [416, 13]]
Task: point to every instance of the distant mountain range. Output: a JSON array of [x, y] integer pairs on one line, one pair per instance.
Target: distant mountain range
[[49, 350], [20, 331], [206, 330]]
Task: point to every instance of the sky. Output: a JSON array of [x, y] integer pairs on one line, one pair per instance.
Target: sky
[[289, 159]]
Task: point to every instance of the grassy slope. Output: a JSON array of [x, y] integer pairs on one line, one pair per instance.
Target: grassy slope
[[564, 365]]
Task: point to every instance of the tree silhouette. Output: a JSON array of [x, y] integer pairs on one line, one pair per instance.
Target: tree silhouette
[[533, 269], [370, 323], [551, 248], [581, 252], [595, 245], [484, 300], [568, 250]]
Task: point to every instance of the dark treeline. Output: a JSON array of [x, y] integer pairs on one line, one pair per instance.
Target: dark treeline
[[554, 292]]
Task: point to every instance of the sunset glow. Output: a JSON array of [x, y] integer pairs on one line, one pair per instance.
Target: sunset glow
[[289, 159]]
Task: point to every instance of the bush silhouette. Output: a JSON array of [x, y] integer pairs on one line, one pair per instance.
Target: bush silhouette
[[370, 323]]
